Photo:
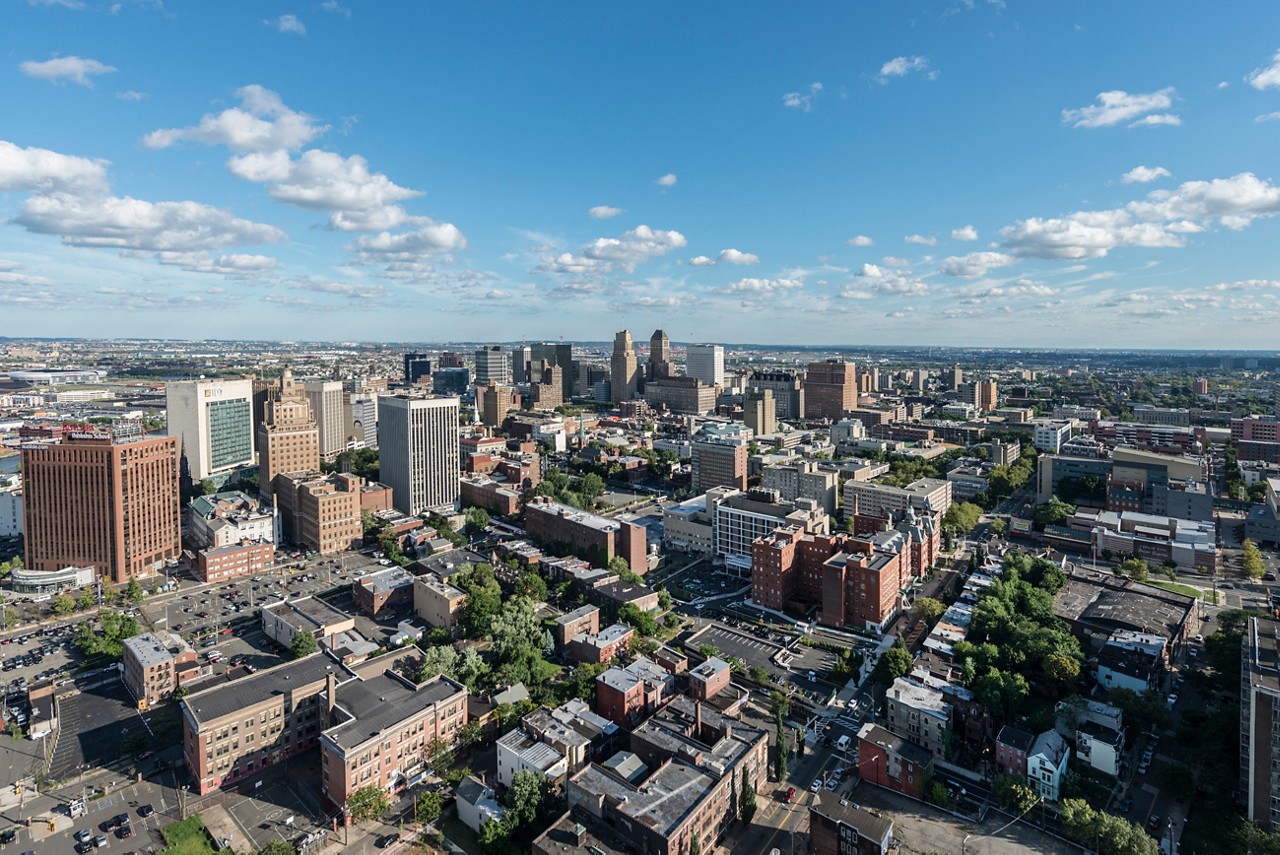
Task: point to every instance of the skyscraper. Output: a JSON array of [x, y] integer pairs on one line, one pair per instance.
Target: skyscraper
[[520, 364], [491, 364], [830, 389], [759, 413], [659, 355], [419, 452], [554, 353], [495, 401], [213, 423], [94, 500], [289, 439], [416, 365], [706, 362], [623, 368], [325, 398], [957, 376]]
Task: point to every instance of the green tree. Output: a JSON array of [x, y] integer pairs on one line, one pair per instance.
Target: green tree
[[1061, 670], [64, 604], [436, 661], [962, 516], [525, 796], [1252, 559], [1146, 710], [591, 487], [1135, 568], [935, 793], [928, 609], [15, 730], [779, 704], [747, 797], [799, 740], [695, 845], [86, 599], [368, 802], [759, 674], [1013, 793], [894, 663], [470, 734], [477, 520], [428, 807], [1052, 512], [277, 846], [133, 591], [303, 644], [643, 621], [708, 651], [780, 755], [622, 569]]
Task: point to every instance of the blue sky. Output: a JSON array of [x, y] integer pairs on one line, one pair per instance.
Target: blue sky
[[956, 173]]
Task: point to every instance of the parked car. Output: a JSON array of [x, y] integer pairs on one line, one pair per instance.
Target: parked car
[[790, 796]]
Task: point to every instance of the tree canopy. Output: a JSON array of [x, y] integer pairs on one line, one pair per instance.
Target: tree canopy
[[303, 644]]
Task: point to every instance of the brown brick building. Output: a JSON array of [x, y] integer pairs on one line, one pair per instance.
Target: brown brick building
[[830, 389], [288, 439], [93, 500], [596, 538], [321, 513], [239, 559]]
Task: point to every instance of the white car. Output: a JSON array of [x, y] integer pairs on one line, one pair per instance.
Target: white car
[[816, 785]]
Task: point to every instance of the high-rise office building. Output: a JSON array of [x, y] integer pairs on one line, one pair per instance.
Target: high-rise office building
[[289, 439], [361, 419], [830, 389], [623, 368], [416, 366], [451, 380], [554, 354], [719, 463], [788, 391], [659, 356], [496, 400], [325, 398], [520, 364], [213, 423], [983, 395], [706, 362], [759, 412], [1259, 723], [450, 359], [957, 377], [93, 500], [491, 364], [419, 452]]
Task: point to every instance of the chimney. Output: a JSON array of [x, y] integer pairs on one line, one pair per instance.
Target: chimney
[[331, 691]]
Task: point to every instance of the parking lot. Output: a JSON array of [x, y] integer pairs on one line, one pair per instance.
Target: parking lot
[[274, 811], [92, 724]]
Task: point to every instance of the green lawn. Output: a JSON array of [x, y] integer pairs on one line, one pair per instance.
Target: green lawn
[[1208, 596], [186, 837]]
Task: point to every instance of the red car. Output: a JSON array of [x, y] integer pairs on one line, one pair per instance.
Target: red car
[[791, 795]]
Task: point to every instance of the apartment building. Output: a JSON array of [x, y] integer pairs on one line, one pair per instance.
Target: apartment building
[[382, 728], [437, 602], [321, 513], [709, 679], [627, 695], [384, 593], [288, 438], [687, 395], [584, 620], [803, 479], [760, 411], [830, 389], [151, 664], [237, 729], [891, 761], [919, 713], [881, 500], [1259, 788], [220, 563], [603, 646], [719, 462], [597, 538]]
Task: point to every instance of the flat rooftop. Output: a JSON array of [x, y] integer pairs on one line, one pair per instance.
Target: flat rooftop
[[573, 514], [386, 580], [229, 698], [661, 802], [381, 702]]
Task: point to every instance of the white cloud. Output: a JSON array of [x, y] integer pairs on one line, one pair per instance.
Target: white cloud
[[261, 124], [668, 180], [1144, 174], [359, 200], [702, 261], [974, 264], [901, 66], [336, 7], [430, 238], [762, 286], [66, 4], [1267, 117], [633, 248], [603, 212], [61, 69], [131, 95], [877, 280], [1266, 76], [861, 240], [1157, 120], [1161, 220], [127, 223], [288, 24], [38, 170], [924, 240], [1117, 106], [964, 233], [234, 265], [734, 256], [802, 101]]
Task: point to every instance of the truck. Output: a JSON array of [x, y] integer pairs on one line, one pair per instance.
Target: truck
[[842, 744]]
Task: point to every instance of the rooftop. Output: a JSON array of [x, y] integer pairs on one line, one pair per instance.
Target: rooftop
[[387, 580], [234, 697], [661, 802], [573, 514], [894, 744], [377, 703], [917, 697], [576, 615], [152, 649], [869, 825]]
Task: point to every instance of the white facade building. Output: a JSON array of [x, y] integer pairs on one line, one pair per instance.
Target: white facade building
[[1046, 763], [213, 421], [325, 398], [10, 505], [1051, 436], [419, 452], [706, 362]]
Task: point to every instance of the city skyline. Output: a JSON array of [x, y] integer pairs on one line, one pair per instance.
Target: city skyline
[[958, 173]]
